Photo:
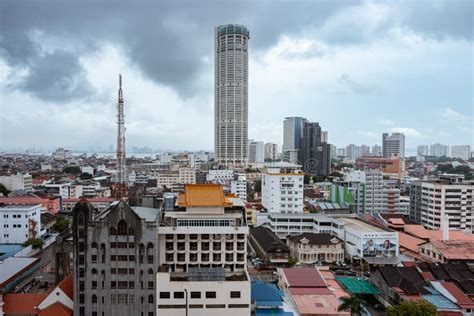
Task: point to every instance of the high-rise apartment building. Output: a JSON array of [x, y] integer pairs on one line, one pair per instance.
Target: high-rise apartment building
[[376, 151], [422, 150], [231, 94], [439, 150], [292, 135], [461, 151], [449, 198], [393, 145]]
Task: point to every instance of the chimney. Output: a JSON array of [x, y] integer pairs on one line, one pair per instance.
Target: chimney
[[445, 226]]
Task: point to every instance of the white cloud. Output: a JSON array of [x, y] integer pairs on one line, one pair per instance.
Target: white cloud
[[409, 132]]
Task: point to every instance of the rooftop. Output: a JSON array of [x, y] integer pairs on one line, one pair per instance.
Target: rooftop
[[362, 226], [315, 239], [12, 266], [303, 277], [203, 195]]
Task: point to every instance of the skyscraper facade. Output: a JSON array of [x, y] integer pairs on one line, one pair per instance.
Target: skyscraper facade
[[231, 95], [292, 135], [314, 155], [393, 145]]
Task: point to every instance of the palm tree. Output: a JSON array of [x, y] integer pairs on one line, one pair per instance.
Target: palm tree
[[353, 303]]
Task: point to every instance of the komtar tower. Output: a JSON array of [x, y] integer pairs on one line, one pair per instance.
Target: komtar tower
[[231, 95], [121, 179]]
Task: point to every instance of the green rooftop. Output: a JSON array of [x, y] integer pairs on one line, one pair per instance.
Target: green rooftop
[[357, 286]]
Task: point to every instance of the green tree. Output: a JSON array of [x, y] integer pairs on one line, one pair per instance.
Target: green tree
[[292, 261], [85, 176], [413, 308], [352, 303], [62, 223], [36, 243], [4, 190], [72, 170]]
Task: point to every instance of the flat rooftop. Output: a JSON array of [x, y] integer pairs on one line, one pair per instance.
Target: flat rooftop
[[13, 265], [362, 226]]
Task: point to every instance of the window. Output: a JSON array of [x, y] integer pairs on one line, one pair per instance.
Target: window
[[210, 294], [122, 228], [165, 295], [235, 294], [195, 294]]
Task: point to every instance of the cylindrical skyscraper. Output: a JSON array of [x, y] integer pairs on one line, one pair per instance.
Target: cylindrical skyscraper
[[231, 95]]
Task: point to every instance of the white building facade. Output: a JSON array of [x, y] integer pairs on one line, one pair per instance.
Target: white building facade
[[18, 223], [282, 188]]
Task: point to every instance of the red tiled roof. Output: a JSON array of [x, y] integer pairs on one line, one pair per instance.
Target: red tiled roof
[[462, 299], [427, 276], [310, 291], [56, 309], [67, 285], [304, 277], [22, 304]]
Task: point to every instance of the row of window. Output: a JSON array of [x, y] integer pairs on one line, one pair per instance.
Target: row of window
[[196, 295]]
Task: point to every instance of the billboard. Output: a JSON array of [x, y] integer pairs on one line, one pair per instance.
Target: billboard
[[379, 247]]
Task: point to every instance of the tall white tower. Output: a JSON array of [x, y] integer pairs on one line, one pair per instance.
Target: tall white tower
[[231, 95]]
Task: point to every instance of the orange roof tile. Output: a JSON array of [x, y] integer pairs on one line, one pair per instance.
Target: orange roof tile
[[409, 242], [67, 285], [22, 304], [56, 309], [203, 195], [421, 232], [455, 249]]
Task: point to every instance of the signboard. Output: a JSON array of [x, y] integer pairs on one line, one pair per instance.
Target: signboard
[[379, 247]]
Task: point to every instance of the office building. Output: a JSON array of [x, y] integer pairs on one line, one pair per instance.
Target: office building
[[449, 196], [115, 259], [256, 152], [18, 223], [393, 145], [439, 150], [461, 151], [282, 188], [314, 155], [231, 94], [292, 135]]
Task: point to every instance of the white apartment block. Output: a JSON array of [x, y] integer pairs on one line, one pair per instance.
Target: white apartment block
[[206, 230], [282, 188], [238, 186], [439, 150], [18, 181], [449, 196], [220, 176], [202, 292], [461, 151], [18, 223]]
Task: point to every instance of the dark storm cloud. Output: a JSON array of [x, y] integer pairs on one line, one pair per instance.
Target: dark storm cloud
[[168, 40]]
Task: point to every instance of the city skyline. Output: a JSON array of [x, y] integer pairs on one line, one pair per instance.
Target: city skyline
[[56, 72]]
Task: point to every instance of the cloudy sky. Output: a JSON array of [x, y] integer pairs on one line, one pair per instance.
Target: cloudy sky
[[358, 67]]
